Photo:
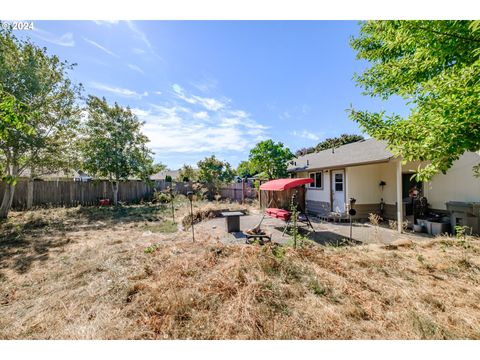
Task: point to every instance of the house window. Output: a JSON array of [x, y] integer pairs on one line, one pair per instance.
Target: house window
[[317, 178], [338, 182]]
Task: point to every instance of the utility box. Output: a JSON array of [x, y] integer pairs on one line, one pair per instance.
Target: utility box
[[465, 214]]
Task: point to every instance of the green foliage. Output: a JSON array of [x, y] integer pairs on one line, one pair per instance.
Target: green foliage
[[187, 173], [162, 197], [14, 125], [168, 178], [330, 143], [150, 249], [113, 145], [38, 97], [435, 65], [270, 158], [213, 172], [246, 169]]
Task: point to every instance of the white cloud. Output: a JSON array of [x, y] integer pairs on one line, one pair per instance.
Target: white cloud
[[285, 115], [118, 91], [176, 129], [141, 35], [202, 115], [135, 68], [97, 45], [62, 40], [141, 112], [138, 51], [208, 103], [106, 22], [306, 135], [158, 92], [206, 84]]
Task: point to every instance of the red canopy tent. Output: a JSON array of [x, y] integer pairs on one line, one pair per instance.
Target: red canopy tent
[[282, 185]]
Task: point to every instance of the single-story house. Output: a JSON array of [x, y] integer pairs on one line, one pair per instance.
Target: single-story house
[[61, 175], [367, 171], [164, 173]]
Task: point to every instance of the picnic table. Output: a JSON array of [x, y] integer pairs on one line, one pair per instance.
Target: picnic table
[[232, 220]]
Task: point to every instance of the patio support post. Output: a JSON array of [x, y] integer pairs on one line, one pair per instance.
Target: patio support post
[[399, 197]]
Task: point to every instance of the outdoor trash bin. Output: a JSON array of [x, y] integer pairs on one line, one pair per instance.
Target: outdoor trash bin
[[232, 220]]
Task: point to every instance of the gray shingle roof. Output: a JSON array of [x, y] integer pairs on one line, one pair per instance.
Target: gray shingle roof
[[162, 174], [360, 152]]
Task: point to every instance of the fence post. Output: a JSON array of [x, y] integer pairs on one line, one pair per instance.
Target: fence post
[[29, 193], [72, 191], [243, 191]]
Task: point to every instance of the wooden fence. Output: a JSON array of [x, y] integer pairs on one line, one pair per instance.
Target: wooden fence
[[72, 193]]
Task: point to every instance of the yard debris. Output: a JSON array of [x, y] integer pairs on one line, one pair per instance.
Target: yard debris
[[399, 243]]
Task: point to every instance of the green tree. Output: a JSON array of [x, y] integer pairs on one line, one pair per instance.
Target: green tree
[[271, 158], [245, 169], [338, 141], [40, 82], [14, 128], [435, 66], [213, 173], [113, 145], [187, 173]]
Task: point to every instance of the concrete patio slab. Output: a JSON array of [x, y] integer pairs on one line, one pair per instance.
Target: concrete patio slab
[[326, 233]]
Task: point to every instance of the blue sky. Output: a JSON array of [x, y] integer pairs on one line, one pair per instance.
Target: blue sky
[[210, 87]]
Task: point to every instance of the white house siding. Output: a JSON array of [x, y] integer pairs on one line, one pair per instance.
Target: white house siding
[[318, 200], [363, 185], [458, 184]]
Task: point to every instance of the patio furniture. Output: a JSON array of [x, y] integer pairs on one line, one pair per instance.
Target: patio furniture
[[285, 215], [232, 220]]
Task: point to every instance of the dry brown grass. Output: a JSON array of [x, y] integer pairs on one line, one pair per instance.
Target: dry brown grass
[[92, 280]]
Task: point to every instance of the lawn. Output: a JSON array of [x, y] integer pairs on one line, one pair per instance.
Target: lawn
[[130, 273]]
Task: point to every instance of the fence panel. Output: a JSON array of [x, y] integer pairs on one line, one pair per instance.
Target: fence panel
[[70, 193]]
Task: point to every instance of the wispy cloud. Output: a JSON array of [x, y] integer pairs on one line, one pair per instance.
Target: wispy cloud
[[136, 68], [205, 84], [140, 34], [98, 46], [106, 22], [211, 104], [138, 51], [158, 92], [306, 135], [62, 40], [118, 90]]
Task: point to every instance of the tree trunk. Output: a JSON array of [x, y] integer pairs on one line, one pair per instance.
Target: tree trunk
[[7, 200], [8, 194], [115, 192]]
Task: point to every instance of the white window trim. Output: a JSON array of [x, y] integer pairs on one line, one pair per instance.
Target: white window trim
[[321, 176]]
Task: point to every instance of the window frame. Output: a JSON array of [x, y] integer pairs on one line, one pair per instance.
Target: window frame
[[314, 184]]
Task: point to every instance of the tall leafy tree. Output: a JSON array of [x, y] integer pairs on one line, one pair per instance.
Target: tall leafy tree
[[246, 169], [187, 173], [40, 82], [435, 66], [15, 128], [271, 158], [213, 172], [113, 146], [329, 143]]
